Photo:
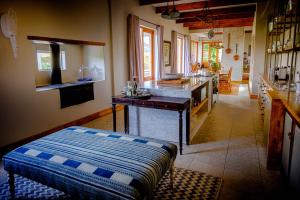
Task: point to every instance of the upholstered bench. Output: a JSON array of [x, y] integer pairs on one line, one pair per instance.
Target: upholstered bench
[[93, 164]]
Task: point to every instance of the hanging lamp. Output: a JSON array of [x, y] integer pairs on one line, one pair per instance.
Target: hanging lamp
[[174, 14], [165, 14]]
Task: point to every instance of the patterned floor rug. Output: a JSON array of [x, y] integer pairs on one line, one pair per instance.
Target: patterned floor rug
[[187, 185]]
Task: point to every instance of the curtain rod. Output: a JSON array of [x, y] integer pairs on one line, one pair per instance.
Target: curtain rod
[[148, 22]]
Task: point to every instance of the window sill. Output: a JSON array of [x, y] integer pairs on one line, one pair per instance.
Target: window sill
[[63, 85]]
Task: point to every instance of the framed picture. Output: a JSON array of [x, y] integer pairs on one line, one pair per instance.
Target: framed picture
[[167, 53]]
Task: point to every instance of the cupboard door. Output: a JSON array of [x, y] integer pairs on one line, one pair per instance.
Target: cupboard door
[[295, 163], [286, 143]]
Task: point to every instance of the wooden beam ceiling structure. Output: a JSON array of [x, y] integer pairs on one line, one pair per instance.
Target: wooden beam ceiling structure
[[202, 4], [240, 22], [221, 13], [149, 2], [217, 17]]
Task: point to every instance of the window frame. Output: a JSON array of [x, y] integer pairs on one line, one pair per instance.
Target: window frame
[[152, 33], [206, 64], [62, 60]]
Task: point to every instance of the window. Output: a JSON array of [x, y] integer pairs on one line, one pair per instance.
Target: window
[[210, 54], [180, 54], [147, 40], [44, 60], [194, 51]]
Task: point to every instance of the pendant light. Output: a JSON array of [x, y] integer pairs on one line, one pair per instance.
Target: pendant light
[[174, 14], [165, 14], [210, 34]]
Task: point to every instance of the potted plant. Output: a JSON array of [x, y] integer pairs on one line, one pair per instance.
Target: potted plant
[[215, 66]]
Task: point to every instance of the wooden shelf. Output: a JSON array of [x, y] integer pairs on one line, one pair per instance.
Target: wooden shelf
[[286, 50], [48, 40], [197, 108]]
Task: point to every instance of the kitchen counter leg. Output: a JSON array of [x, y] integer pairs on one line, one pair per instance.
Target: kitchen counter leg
[[114, 117], [180, 131]]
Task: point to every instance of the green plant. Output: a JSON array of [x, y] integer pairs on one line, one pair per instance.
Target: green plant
[[215, 66]]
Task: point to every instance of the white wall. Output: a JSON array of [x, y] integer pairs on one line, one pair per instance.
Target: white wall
[[259, 34], [236, 37], [121, 9], [25, 112]]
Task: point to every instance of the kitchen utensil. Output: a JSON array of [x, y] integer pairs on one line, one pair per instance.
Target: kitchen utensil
[[297, 41], [228, 50], [270, 26], [236, 56]]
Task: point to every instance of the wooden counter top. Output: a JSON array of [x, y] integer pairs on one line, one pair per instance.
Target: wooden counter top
[[289, 99], [292, 104]]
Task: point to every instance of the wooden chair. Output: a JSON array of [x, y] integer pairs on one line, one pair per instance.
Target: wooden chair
[[194, 68], [225, 81]]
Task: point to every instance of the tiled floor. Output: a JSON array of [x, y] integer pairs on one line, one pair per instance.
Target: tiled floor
[[230, 145]]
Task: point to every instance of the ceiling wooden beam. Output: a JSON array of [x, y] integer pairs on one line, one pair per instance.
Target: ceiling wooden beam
[[221, 11], [240, 22], [202, 4], [148, 2], [216, 17]]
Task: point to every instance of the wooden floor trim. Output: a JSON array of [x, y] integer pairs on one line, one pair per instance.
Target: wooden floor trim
[[78, 122]]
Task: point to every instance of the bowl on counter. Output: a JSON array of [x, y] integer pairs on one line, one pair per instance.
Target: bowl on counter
[[172, 76]]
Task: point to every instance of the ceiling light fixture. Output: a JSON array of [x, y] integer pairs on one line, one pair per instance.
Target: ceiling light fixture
[[211, 34], [174, 14], [204, 14], [165, 14]]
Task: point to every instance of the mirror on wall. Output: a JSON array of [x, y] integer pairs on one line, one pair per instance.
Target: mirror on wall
[[79, 62]]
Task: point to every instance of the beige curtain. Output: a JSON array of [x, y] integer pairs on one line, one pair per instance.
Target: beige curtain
[[160, 57], [187, 55], [174, 52], [134, 48]]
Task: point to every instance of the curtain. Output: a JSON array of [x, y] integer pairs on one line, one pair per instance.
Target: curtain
[[187, 55], [173, 61], [134, 48], [160, 57]]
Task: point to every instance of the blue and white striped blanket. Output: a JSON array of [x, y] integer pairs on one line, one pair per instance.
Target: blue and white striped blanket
[[94, 164]]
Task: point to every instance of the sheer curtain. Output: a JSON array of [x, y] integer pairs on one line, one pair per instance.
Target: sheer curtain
[[187, 55], [174, 52], [160, 55], [134, 48]]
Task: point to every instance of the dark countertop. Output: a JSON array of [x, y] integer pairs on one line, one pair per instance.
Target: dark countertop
[[63, 85]]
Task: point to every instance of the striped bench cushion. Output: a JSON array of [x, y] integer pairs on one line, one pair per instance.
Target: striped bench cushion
[[94, 164]]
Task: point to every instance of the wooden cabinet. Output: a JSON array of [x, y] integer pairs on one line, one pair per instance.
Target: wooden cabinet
[[286, 144], [295, 160], [291, 152]]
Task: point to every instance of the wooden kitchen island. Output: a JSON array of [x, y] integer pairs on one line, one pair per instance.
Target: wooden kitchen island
[[155, 102], [162, 123]]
